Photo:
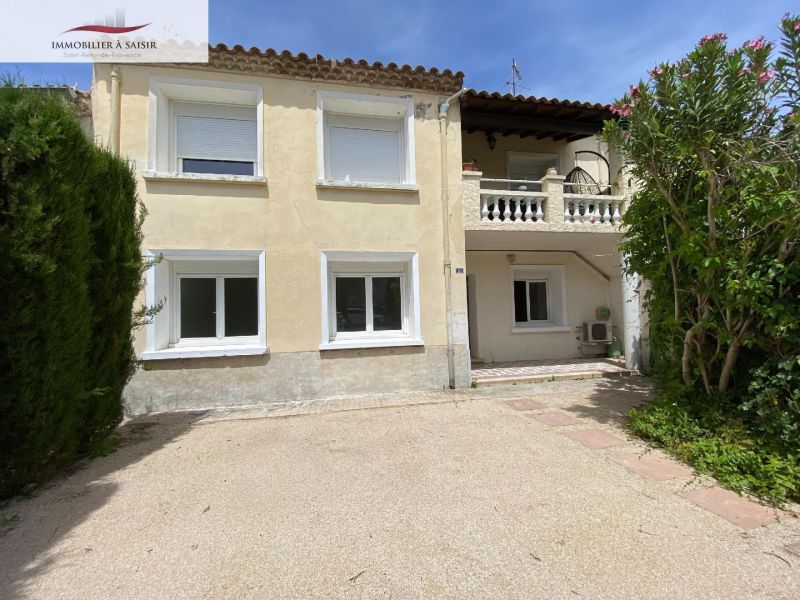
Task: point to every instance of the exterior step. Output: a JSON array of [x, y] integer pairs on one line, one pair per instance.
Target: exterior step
[[556, 377]]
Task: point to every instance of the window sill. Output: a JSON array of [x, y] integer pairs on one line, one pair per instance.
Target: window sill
[[542, 329], [206, 352], [204, 177], [350, 185], [370, 343]]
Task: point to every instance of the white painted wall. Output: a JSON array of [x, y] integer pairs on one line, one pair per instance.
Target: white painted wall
[[585, 289]]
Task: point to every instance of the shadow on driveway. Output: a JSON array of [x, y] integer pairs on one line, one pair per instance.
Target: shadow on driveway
[[611, 399], [72, 497]]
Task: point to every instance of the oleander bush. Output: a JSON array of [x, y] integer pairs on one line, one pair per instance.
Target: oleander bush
[[70, 231], [713, 142]]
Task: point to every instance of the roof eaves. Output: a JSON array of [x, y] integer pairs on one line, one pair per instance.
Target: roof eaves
[[347, 70]]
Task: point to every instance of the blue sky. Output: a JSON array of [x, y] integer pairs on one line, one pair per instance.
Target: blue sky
[[582, 50]]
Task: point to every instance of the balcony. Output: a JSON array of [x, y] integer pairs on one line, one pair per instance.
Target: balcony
[[548, 204]]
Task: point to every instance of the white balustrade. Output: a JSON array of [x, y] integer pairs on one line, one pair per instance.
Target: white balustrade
[[593, 210], [512, 207], [535, 204]]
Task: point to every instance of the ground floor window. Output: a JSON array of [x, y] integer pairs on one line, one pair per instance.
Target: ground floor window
[[369, 299], [369, 303], [538, 297], [211, 300], [530, 301], [217, 306]]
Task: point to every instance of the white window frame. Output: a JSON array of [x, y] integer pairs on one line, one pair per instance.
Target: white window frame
[[176, 341], [528, 283], [217, 110], [366, 123], [162, 339], [367, 265], [164, 91], [540, 273], [338, 273], [369, 106]]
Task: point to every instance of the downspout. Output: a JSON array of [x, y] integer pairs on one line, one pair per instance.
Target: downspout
[[444, 107], [113, 134]]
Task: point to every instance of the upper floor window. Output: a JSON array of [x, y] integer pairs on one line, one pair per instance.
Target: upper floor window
[[200, 128], [529, 166], [363, 149], [365, 140], [215, 138]]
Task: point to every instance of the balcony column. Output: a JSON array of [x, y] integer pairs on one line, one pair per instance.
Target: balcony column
[[553, 186], [471, 191], [631, 318]]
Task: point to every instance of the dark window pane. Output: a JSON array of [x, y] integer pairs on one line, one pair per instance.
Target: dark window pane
[[386, 301], [520, 301], [241, 306], [538, 296], [217, 167], [351, 304], [198, 307]]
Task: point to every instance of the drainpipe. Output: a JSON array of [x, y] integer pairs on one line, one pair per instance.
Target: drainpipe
[[444, 106], [113, 134]]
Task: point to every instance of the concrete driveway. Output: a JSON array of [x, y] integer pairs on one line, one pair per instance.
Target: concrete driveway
[[456, 496]]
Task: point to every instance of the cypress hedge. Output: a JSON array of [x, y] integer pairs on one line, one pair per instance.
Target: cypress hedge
[[70, 233]]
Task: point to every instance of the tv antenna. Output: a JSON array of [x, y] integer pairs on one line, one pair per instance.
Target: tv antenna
[[516, 76]]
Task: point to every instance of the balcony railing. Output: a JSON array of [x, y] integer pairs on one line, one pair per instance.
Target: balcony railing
[[515, 205], [548, 204], [592, 209]]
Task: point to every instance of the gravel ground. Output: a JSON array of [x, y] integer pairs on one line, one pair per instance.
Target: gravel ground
[[455, 496]]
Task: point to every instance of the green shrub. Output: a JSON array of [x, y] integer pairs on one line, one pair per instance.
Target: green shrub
[[772, 403], [69, 238], [721, 446], [114, 282], [713, 142]]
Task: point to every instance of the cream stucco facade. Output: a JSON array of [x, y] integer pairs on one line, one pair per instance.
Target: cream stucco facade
[[465, 249], [293, 220]]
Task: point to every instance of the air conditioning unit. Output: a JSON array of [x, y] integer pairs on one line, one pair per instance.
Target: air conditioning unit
[[597, 332]]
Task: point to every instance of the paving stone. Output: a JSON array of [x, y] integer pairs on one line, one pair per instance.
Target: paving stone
[[595, 438], [731, 506], [524, 404], [547, 368], [652, 466], [793, 548], [557, 419]]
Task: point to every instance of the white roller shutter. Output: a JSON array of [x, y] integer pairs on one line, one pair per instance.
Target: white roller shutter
[[216, 132], [364, 149]]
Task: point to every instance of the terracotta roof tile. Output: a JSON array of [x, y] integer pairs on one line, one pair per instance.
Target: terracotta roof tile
[[302, 66], [534, 100]]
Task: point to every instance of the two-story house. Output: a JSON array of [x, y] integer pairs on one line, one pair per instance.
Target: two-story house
[[315, 237]]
